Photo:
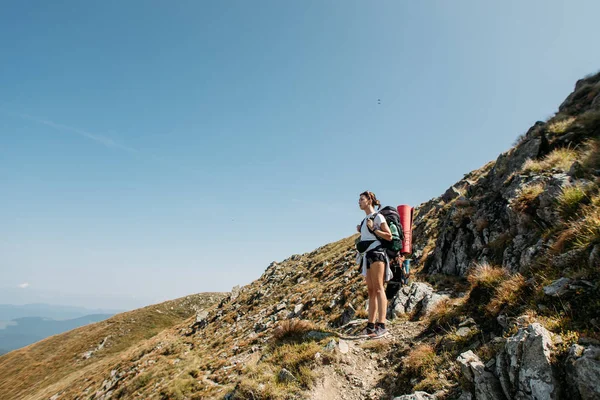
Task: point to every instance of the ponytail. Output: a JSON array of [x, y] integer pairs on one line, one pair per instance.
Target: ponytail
[[376, 203], [372, 199]]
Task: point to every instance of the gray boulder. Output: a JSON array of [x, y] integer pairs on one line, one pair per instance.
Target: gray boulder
[[583, 371], [487, 385], [418, 291], [430, 301], [411, 298], [524, 366], [398, 304]]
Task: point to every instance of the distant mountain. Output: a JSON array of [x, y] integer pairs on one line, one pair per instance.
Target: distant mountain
[[24, 331], [9, 312]]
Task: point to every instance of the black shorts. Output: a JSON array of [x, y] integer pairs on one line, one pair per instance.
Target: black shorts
[[374, 256]]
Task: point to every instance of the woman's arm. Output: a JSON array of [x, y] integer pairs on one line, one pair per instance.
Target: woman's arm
[[384, 231]]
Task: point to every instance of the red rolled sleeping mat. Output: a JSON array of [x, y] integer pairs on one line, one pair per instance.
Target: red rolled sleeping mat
[[406, 218]]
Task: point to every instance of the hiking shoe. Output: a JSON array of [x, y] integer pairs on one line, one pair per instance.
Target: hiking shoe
[[380, 332], [368, 332]]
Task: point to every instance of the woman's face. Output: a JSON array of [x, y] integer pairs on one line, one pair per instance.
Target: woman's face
[[363, 203]]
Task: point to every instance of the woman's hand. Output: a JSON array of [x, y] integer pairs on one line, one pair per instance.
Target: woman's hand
[[358, 228], [370, 224]]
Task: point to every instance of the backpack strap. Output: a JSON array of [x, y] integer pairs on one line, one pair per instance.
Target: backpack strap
[[373, 218]]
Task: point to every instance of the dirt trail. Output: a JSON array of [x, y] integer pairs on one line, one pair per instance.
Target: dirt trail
[[364, 370]]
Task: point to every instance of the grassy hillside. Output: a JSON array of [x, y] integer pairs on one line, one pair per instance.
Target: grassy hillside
[[30, 371]]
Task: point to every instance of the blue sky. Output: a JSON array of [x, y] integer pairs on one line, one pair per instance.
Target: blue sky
[[153, 149]]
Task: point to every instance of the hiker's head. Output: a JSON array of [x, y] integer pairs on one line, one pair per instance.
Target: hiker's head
[[368, 199]]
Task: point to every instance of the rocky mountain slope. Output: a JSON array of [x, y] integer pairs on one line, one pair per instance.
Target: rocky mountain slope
[[503, 304]]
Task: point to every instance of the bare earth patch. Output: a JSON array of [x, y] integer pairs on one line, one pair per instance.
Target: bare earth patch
[[364, 372]]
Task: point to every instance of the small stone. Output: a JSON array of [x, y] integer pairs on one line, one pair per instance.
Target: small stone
[[201, 319], [298, 309], [558, 287], [463, 332], [259, 327], [316, 335], [343, 346], [331, 345], [467, 322], [235, 292], [357, 382], [286, 376], [502, 320]]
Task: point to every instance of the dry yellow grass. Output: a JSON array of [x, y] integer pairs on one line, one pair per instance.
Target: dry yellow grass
[[508, 294], [587, 229], [292, 328], [590, 155], [560, 126], [421, 360], [524, 201], [428, 250], [432, 382], [560, 159], [485, 275], [446, 311], [565, 237], [260, 382], [377, 346], [582, 232], [569, 200]]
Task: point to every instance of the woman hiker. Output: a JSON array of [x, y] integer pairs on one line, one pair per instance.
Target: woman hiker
[[374, 262]]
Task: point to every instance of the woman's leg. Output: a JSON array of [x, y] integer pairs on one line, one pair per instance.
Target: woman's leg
[[376, 282], [372, 297]]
